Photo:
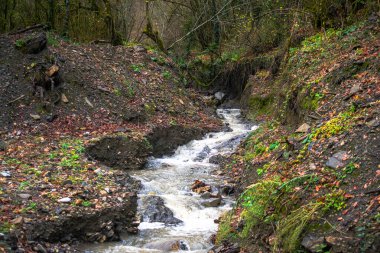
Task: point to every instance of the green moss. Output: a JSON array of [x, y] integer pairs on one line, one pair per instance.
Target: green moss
[[255, 201], [334, 126], [225, 230], [311, 102], [260, 105], [290, 228]]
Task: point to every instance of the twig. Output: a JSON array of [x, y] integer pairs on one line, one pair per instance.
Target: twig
[[14, 100], [313, 117], [100, 42], [29, 28], [372, 191]]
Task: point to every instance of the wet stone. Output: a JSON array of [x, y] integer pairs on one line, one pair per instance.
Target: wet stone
[[156, 211], [215, 202]]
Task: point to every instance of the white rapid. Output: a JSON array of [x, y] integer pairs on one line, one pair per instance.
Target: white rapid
[[171, 177]]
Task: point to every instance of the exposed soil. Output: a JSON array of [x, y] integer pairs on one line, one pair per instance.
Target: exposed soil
[[65, 111]]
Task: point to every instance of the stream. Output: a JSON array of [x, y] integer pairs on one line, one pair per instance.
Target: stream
[[171, 178]]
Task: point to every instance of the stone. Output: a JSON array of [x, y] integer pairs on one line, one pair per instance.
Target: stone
[[355, 89], [154, 210], [5, 173], [25, 196], [35, 116], [3, 145], [342, 244], [33, 44], [338, 160], [373, 123], [139, 48], [304, 128], [219, 95], [40, 249], [212, 202], [51, 117], [17, 220], [167, 245], [227, 189], [64, 200], [206, 195], [203, 154], [312, 242], [64, 98], [217, 159]]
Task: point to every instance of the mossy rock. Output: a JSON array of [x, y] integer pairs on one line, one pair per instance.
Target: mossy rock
[[260, 105]]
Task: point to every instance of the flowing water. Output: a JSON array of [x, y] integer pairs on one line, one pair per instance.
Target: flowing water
[[171, 178]]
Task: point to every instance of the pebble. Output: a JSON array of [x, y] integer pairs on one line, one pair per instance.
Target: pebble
[[64, 200], [5, 173], [25, 196], [35, 116]]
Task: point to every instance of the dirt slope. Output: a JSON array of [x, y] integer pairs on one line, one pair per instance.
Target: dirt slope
[[309, 176], [58, 103]]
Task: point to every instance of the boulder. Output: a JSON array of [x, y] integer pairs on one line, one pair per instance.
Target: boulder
[[203, 154], [227, 189], [121, 151], [134, 115], [338, 160], [219, 95], [312, 242], [154, 210], [213, 202], [218, 159], [167, 245], [33, 44]]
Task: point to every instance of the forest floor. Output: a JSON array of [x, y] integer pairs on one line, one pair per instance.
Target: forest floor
[[54, 105], [310, 183]]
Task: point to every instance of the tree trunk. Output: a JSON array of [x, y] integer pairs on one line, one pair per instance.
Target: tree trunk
[[115, 36], [52, 14], [151, 33], [67, 19]]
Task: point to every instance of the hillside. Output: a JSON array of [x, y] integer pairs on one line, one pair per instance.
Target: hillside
[[309, 176], [69, 113]]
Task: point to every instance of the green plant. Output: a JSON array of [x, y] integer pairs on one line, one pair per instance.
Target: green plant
[[274, 146], [130, 89], [335, 201], [20, 43], [23, 185], [173, 122], [52, 40], [6, 227], [137, 67], [71, 151], [260, 171], [86, 203], [166, 74], [255, 200], [31, 206], [259, 148], [117, 92]]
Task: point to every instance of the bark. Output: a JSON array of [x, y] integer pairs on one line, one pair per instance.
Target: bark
[[67, 18]]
